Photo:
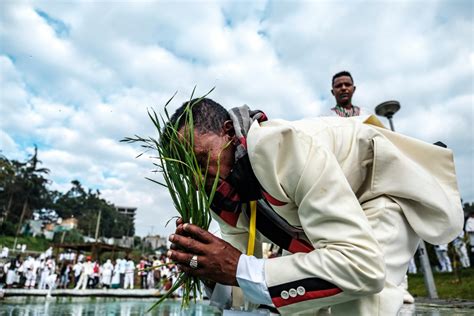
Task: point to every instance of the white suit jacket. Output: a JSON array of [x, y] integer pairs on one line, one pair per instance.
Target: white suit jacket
[[318, 171]]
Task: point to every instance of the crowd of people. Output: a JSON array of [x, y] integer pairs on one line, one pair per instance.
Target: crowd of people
[[45, 272], [448, 255]]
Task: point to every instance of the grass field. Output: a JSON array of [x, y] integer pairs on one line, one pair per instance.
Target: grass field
[[32, 243], [449, 285]]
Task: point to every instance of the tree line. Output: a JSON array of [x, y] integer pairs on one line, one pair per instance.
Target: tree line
[[25, 193]]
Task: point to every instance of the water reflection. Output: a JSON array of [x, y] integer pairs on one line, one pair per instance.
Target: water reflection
[[433, 310], [77, 306]]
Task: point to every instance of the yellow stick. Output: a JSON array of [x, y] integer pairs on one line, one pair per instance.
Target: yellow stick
[[252, 228]]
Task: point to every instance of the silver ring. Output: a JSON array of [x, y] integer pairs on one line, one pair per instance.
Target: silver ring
[[193, 263]]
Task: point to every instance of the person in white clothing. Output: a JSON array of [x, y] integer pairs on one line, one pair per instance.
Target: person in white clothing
[[122, 267], [443, 258], [37, 267], [11, 269], [51, 282], [77, 269], [49, 252], [107, 270], [340, 183], [461, 251], [129, 274], [87, 270], [4, 253], [412, 266], [116, 276], [469, 228], [30, 273], [45, 269], [2, 274]]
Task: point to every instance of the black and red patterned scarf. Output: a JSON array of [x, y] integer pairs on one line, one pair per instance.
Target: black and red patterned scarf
[[241, 186], [343, 112]]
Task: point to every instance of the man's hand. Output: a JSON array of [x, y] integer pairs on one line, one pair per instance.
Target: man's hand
[[217, 260]]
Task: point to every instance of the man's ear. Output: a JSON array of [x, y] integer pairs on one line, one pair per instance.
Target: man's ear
[[354, 89], [228, 128], [332, 91], [229, 131]]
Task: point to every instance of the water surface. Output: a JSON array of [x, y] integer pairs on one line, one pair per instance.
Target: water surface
[[75, 306]]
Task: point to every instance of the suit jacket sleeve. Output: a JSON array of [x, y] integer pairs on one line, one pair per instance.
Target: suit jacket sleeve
[[347, 261], [238, 235]]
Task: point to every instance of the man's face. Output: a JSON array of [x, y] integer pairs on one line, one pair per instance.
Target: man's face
[[215, 147], [342, 89]]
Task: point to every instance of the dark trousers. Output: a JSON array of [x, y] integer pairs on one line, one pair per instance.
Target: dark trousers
[[122, 279], [76, 279], [143, 281]]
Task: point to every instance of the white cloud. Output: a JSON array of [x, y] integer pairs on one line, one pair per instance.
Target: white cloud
[[8, 145], [77, 93]]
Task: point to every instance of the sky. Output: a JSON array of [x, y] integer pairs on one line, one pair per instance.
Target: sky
[[76, 77]]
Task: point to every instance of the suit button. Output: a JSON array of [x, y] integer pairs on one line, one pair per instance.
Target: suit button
[[301, 290], [284, 295], [292, 292]]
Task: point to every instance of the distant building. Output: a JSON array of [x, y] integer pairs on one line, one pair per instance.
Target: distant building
[[37, 227], [69, 223], [49, 227], [130, 212], [33, 227], [155, 242], [125, 241]]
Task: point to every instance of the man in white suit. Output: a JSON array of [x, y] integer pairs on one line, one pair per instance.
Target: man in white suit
[[348, 200]]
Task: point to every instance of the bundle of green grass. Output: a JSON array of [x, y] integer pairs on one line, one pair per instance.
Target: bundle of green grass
[[184, 178]]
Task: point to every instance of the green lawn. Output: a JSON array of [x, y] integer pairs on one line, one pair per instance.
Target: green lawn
[[449, 285], [32, 243]]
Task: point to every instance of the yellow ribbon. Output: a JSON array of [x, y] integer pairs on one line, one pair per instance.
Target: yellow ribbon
[[252, 228]]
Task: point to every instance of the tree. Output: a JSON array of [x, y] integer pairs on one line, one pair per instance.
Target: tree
[[9, 186], [23, 190], [468, 208], [86, 206], [33, 184], [72, 202]]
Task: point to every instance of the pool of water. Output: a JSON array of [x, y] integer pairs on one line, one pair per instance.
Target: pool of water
[[39, 306], [434, 310], [55, 306]]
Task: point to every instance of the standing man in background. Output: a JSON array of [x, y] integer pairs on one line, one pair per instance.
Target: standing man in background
[[122, 263], [343, 89], [129, 274]]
